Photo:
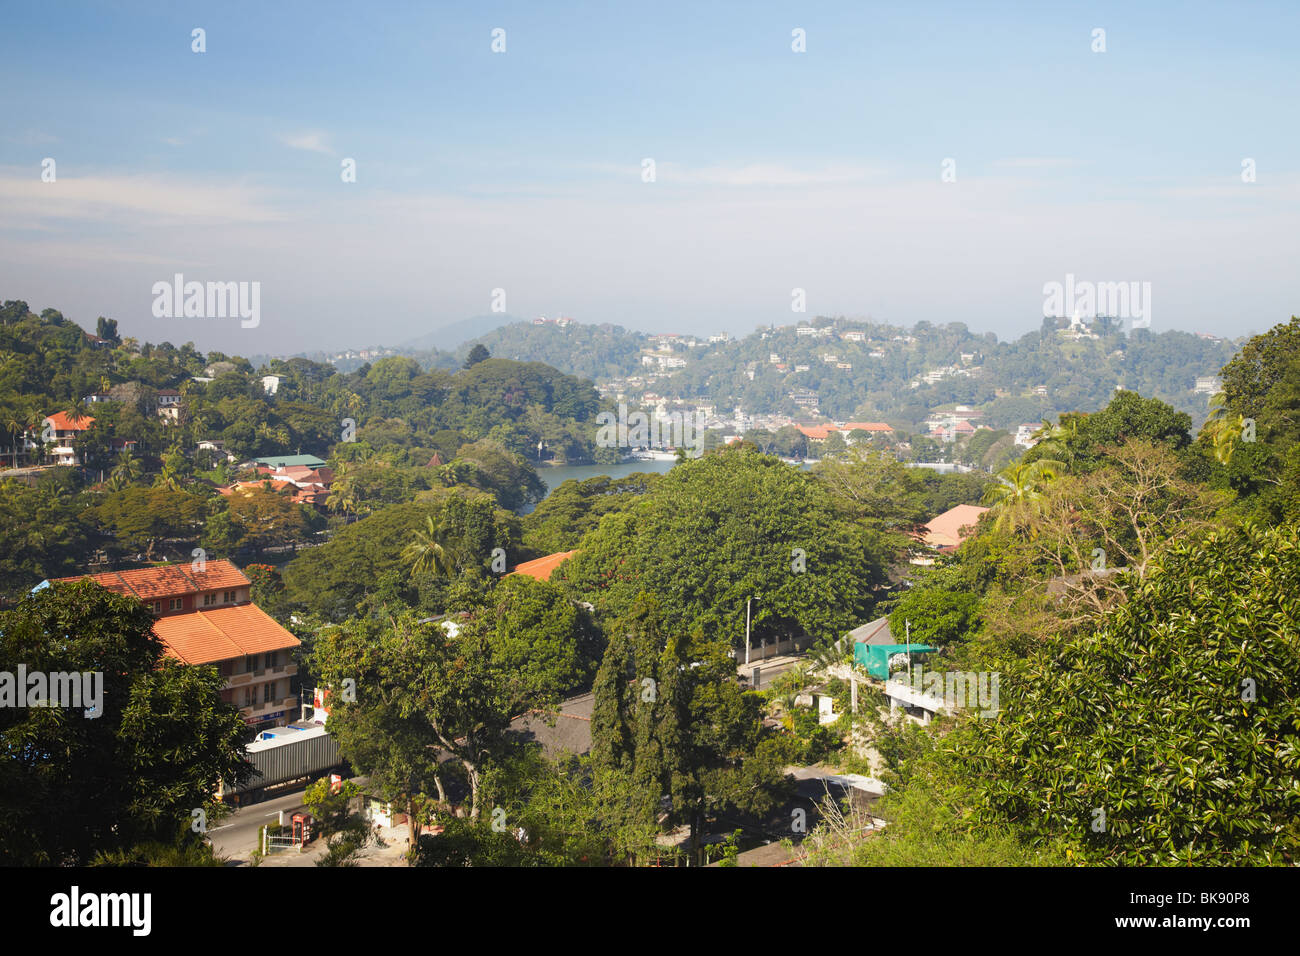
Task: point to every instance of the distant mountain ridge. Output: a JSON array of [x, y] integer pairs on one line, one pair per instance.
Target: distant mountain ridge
[[862, 370], [447, 338]]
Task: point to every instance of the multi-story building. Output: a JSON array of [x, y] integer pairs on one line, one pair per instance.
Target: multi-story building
[[1208, 384], [63, 431], [169, 405], [804, 398], [207, 617]]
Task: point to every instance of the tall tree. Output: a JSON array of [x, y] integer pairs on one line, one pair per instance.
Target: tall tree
[[1167, 734], [134, 771], [673, 719]]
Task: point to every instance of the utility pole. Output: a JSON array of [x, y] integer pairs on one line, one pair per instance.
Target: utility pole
[[909, 652], [747, 600]]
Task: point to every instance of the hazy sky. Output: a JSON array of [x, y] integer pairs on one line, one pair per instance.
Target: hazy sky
[[522, 170]]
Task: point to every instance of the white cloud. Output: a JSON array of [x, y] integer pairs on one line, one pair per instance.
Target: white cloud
[[752, 174], [311, 141], [764, 174], [32, 137], [1039, 162], [131, 201]]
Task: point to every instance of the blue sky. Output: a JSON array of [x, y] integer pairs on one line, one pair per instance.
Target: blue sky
[[521, 170]]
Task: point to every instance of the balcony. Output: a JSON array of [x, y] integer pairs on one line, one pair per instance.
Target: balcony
[[257, 711]]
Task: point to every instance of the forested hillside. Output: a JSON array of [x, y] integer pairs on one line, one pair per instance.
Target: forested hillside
[[1076, 373], [145, 490]]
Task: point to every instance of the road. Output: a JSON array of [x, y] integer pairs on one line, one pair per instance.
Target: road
[[769, 670], [235, 837]]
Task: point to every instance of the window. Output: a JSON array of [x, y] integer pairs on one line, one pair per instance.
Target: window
[[250, 664], [268, 691], [176, 604], [248, 697], [157, 607], [270, 659], [209, 600]]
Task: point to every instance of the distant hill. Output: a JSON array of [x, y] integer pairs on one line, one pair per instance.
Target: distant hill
[[868, 371], [448, 338], [596, 352]]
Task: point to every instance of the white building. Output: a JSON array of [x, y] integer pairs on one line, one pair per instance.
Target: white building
[[1025, 434]]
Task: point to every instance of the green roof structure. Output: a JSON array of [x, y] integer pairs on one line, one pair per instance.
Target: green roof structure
[[288, 461], [875, 657]]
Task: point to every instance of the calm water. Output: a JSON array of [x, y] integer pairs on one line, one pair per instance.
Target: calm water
[[554, 477]]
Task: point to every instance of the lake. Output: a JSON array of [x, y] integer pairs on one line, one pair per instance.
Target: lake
[[554, 477]]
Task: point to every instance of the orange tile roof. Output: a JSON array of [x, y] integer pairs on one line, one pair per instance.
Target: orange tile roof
[[247, 487], [816, 432], [168, 580], [946, 530], [218, 634], [63, 423], [867, 426], [541, 568]]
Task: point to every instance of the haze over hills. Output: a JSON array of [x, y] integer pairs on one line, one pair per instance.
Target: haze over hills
[[851, 369], [451, 336]]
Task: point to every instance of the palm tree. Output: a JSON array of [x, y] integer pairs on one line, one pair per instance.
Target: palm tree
[[1019, 492], [1222, 429], [342, 496], [1057, 438], [426, 553], [77, 409], [127, 470], [168, 477]]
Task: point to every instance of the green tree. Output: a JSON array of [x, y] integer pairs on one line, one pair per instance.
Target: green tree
[[548, 645], [937, 616], [142, 518], [160, 738], [1017, 497], [671, 717], [1167, 735], [724, 528], [421, 690], [425, 554]]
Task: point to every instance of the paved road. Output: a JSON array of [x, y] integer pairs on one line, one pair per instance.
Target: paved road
[[235, 837], [769, 670]]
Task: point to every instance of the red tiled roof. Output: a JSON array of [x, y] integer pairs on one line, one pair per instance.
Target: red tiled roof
[[63, 423], [218, 634], [867, 426], [946, 530], [168, 580], [815, 432], [247, 487], [542, 568]]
